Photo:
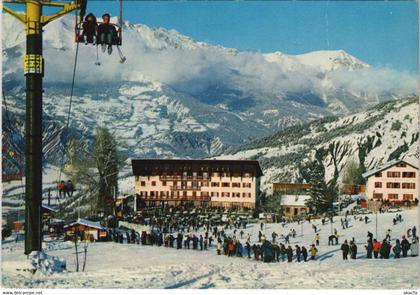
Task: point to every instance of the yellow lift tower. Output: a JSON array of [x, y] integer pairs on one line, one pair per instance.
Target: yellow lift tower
[[34, 21]]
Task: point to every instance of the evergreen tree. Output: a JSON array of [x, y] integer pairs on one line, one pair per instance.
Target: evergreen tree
[[107, 164], [322, 194]]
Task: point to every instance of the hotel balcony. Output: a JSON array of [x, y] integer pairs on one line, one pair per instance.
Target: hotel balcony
[[177, 198], [180, 177], [185, 188]]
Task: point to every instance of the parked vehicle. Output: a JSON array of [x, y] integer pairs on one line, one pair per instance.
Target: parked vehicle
[[394, 209]]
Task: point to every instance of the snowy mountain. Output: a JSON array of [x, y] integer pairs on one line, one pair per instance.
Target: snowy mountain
[[387, 131], [176, 97]]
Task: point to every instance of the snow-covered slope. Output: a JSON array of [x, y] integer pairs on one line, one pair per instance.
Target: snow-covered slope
[[176, 97], [385, 132], [114, 265]]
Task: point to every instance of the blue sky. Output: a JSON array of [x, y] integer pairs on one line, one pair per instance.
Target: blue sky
[[384, 34]]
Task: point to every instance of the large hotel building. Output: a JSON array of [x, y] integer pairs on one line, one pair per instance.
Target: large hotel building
[[215, 183]]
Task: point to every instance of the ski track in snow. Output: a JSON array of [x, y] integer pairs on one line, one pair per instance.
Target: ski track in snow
[[111, 265]]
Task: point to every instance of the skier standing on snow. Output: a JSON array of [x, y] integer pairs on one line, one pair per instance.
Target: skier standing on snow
[[405, 246], [414, 248], [345, 249], [313, 251], [353, 250], [317, 237], [369, 249], [397, 249], [289, 253], [376, 248], [248, 249], [298, 253], [305, 253]]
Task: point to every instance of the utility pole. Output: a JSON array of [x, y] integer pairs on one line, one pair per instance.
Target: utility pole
[[34, 22]]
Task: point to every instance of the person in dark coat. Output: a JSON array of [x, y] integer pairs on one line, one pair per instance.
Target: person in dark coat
[[304, 253], [248, 249], [370, 236], [107, 33], [289, 253], [385, 249], [353, 250], [345, 249], [283, 252], [90, 28], [414, 231], [201, 242], [397, 249], [276, 249], [297, 253], [179, 241], [405, 246], [369, 248]]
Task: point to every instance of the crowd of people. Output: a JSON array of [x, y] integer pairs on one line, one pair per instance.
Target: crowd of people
[[232, 238]]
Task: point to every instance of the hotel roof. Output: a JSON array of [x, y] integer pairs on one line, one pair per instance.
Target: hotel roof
[[386, 166]]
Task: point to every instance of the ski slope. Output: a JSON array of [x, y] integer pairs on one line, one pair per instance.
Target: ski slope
[[111, 265]]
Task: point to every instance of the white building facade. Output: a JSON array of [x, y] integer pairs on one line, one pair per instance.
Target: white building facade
[[394, 182], [204, 183]]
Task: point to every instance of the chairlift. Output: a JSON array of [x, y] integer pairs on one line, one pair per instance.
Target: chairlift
[[80, 37]]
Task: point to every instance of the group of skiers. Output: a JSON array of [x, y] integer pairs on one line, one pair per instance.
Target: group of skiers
[[376, 249], [265, 251]]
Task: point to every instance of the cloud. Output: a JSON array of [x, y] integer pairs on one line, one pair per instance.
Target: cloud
[[176, 60]]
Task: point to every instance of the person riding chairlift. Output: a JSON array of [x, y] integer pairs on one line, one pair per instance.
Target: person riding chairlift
[[90, 28], [107, 33]]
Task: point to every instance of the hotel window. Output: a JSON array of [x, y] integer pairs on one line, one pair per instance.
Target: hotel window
[[237, 195], [215, 184], [393, 174], [287, 209], [204, 184], [246, 195], [401, 165], [409, 174], [236, 184], [392, 185], [153, 183], [408, 197], [142, 183], [378, 174], [377, 196], [152, 193], [224, 194], [247, 174], [246, 184], [215, 174], [164, 183], [392, 196], [194, 174], [184, 193], [225, 174], [205, 174], [378, 184], [409, 185], [214, 194], [184, 174], [225, 184]]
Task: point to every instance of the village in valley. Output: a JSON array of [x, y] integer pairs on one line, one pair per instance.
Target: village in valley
[[147, 181]]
